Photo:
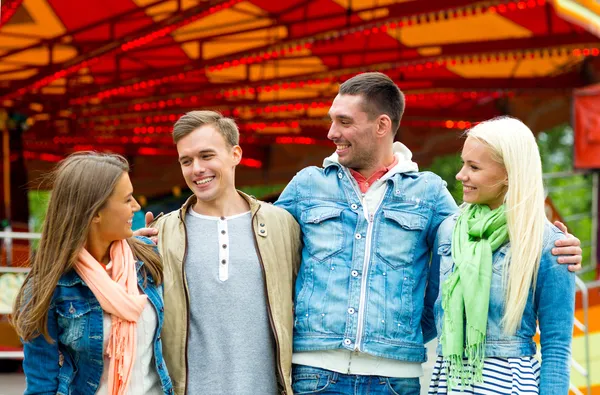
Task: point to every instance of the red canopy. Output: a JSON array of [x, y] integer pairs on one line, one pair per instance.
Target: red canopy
[[115, 74]]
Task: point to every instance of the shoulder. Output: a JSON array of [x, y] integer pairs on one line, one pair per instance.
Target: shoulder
[[144, 240], [424, 183], [271, 212], [446, 229], [308, 173], [551, 235], [163, 219], [422, 176]]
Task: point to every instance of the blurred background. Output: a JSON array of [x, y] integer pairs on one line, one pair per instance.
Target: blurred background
[[114, 75]]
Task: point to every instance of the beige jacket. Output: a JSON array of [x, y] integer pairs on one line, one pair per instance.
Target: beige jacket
[[278, 244]]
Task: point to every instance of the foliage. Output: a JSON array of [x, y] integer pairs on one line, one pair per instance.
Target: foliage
[[38, 204], [571, 195]]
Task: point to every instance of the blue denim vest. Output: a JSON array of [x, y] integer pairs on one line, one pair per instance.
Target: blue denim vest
[[73, 364], [361, 284], [552, 304]]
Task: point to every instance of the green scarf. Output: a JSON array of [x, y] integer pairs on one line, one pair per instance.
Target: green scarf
[[478, 232]]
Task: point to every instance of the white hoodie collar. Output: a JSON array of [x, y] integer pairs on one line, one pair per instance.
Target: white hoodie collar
[[404, 165]]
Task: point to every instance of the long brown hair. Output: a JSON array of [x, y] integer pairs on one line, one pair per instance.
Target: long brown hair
[[82, 184]]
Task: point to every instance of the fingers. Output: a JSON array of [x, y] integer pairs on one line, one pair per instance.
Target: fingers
[[574, 268], [568, 251], [149, 218], [147, 232], [570, 241], [561, 226]]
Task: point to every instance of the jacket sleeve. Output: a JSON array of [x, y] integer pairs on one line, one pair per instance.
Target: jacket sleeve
[[296, 237], [41, 362], [288, 199], [555, 302], [444, 207]]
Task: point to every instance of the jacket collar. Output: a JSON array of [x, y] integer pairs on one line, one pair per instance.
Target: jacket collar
[[72, 278], [251, 200]]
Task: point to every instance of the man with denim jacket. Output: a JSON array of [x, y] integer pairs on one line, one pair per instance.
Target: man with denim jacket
[[369, 219]]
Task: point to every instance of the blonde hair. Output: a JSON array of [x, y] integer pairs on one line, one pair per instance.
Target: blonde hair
[[513, 145], [195, 119], [82, 184]]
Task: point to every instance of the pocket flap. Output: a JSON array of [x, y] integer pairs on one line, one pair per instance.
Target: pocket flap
[[317, 215], [73, 308], [405, 219]]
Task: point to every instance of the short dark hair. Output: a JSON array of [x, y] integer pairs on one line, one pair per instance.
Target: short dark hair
[[380, 96]]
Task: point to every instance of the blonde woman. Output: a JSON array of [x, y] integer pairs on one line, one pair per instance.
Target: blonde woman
[[91, 309], [498, 277]]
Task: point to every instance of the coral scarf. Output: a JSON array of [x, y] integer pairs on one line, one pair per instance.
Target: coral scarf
[[119, 296]]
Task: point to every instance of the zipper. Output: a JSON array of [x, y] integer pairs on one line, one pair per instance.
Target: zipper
[[363, 283], [187, 304], [271, 321]]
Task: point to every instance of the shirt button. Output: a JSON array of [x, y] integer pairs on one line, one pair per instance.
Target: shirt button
[[350, 310], [222, 232], [223, 261], [224, 245], [347, 342], [222, 218], [354, 206], [354, 273], [358, 236]]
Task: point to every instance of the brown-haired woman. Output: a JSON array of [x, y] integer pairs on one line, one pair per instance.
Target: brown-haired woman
[[91, 309]]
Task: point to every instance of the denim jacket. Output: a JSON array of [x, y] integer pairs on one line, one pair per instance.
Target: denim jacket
[[362, 280], [552, 305], [74, 363]]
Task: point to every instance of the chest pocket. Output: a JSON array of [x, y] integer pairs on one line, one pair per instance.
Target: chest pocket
[[73, 316], [402, 231], [323, 231]]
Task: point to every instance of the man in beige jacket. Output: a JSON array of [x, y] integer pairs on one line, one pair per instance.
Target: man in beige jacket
[[229, 263]]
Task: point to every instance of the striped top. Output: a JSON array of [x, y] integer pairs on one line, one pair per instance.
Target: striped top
[[501, 376]]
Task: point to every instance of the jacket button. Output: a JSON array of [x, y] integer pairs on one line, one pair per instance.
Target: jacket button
[[350, 310], [354, 206], [358, 236], [262, 231], [262, 224], [347, 342], [354, 273]]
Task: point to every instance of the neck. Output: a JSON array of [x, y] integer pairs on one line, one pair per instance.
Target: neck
[[380, 161], [99, 249], [224, 206]]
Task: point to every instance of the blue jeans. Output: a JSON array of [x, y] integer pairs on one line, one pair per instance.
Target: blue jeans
[[309, 380]]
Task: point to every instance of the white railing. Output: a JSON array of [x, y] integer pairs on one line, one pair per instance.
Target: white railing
[[7, 238]]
